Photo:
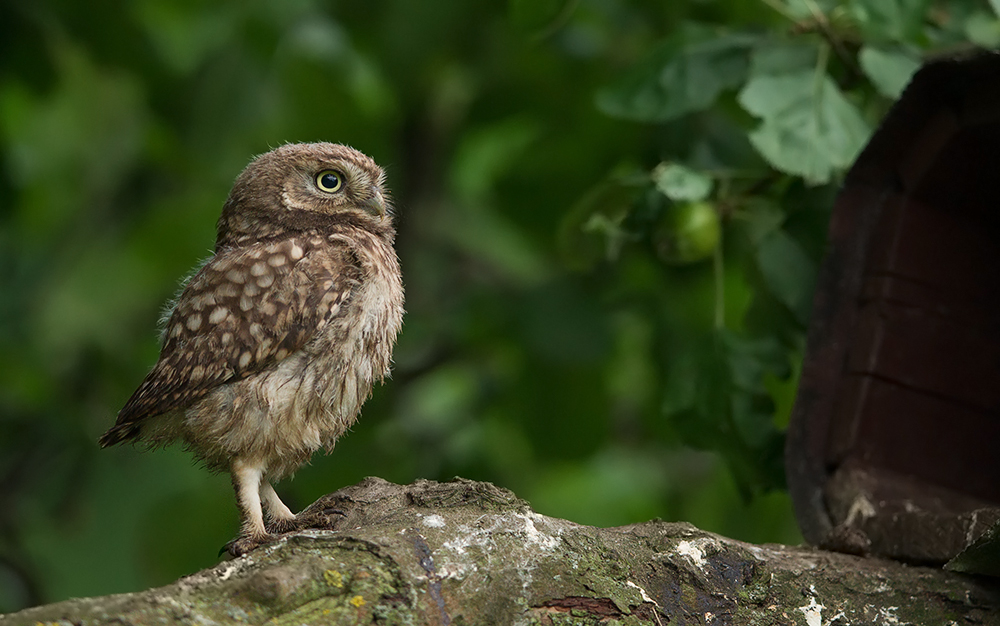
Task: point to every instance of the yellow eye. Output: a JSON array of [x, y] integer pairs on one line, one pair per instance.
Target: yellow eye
[[329, 181]]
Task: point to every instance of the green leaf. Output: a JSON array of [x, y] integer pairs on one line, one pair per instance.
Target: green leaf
[[809, 128], [890, 71], [594, 228], [783, 57], [750, 358], [896, 20], [788, 272], [761, 216], [685, 73], [680, 183], [995, 5], [717, 399], [807, 9], [983, 29], [799, 9], [486, 154]]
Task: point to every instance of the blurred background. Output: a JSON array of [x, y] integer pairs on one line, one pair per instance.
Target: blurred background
[[610, 217]]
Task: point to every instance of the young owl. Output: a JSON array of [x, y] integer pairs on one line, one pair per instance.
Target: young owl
[[274, 344]]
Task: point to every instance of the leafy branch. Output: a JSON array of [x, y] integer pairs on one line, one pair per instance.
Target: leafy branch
[[804, 114]]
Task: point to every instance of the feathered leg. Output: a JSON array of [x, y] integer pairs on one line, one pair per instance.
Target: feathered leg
[[280, 518], [247, 484]]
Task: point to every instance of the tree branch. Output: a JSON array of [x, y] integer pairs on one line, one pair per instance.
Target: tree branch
[[466, 552]]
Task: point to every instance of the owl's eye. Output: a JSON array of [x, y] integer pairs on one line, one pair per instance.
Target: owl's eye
[[329, 181]]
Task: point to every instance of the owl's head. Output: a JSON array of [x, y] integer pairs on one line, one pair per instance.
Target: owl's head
[[305, 186]]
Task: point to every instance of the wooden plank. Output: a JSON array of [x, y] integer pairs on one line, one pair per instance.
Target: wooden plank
[[951, 254], [925, 148], [912, 348], [931, 438]]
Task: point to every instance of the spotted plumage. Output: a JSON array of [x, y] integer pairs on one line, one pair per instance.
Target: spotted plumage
[[274, 344]]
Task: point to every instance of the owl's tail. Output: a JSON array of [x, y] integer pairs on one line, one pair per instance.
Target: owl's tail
[[119, 433]]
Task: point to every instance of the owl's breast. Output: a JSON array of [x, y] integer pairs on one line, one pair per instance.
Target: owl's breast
[[336, 371], [356, 347]]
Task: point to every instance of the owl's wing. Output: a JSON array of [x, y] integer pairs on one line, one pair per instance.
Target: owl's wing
[[245, 310]]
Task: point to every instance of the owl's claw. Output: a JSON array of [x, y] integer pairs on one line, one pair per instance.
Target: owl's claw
[[330, 511], [244, 544], [325, 519]]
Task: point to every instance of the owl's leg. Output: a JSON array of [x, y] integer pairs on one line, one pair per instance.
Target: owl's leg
[[280, 518], [247, 484]]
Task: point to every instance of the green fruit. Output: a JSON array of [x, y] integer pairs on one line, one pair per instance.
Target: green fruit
[[687, 233]]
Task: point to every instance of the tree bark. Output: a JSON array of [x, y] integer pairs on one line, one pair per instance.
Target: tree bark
[[466, 552]]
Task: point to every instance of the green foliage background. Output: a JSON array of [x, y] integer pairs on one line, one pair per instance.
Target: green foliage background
[[611, 213]]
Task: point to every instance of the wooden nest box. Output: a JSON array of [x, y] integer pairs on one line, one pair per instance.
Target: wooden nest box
[[894, 443]]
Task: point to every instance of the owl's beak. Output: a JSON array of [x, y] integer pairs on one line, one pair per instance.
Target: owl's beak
[[376, 204]]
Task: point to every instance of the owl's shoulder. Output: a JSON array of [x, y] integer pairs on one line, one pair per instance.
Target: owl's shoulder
[[255, 267]]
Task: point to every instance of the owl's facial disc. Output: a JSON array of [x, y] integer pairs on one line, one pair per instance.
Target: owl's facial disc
[[349, 179]]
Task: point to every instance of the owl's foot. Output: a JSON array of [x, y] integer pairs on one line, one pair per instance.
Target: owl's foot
[[245, 544], [326, 518]]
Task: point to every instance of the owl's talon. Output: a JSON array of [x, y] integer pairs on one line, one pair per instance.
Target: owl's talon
[[243, 545], [333, 511]]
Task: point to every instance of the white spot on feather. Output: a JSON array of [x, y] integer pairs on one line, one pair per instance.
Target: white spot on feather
[[194, 321], [218, 314]]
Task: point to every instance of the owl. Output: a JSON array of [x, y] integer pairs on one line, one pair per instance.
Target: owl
[[275, 343]]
